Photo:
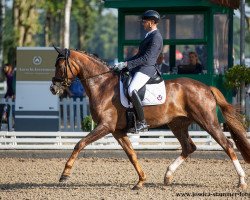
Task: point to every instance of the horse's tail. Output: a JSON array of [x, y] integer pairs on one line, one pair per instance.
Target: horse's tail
[[234, 123]]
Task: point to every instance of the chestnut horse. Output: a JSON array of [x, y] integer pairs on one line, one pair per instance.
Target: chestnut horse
[[187, 101]]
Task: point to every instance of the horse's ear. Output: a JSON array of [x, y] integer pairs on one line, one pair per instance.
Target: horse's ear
[[57, 49]]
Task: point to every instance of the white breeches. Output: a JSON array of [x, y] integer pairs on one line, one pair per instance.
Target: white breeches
[[139, 80]]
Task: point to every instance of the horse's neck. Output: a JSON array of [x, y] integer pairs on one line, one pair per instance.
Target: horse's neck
[[101, 85], [93, 74], [94, 65]]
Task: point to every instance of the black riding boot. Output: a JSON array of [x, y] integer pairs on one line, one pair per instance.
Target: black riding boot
[[141, 124]]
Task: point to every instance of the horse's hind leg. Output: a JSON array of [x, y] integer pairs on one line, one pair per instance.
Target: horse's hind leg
[[227, 145], [99, 132], [179, 126], [124, 141], [210, 123]]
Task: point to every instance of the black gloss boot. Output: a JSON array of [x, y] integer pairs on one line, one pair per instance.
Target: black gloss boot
[[141, 124]]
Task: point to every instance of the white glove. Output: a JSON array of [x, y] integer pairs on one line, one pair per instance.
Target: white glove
[[119, 66]]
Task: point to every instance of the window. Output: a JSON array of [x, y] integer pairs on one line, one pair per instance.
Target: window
[[129, 51], [220, 43], [174, 26], [133, 28], [189, 26], [182, 55]]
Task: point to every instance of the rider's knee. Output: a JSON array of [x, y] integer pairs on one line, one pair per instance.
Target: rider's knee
[[130, 91]]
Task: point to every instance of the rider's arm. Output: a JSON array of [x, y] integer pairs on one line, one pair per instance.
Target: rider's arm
[[150, 55]]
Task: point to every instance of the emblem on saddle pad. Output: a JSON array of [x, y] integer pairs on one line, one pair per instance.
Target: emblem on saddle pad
[[159, 97]]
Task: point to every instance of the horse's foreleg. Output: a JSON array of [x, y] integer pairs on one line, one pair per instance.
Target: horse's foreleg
[[99, 132], [124, 141]]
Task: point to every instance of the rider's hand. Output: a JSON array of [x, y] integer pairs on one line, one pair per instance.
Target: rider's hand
[[119, 66]]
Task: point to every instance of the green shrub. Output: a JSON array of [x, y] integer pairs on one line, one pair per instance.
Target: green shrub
[[236, 75], [87, 122]]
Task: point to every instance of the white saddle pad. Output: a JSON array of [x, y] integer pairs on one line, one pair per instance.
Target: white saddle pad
[[155, 94]]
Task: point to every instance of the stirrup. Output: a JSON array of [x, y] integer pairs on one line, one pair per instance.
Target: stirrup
[[141, 126]]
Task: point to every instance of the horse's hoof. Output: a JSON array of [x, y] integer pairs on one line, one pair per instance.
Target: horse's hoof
[[137, 187], [168, 180], [63, 178], [243, 186]]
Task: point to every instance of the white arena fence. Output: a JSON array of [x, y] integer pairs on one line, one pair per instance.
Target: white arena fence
[[157, 140], [71, 114]]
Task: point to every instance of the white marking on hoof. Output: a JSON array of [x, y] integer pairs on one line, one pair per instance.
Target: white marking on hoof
[[241, 173], [168, 180], [243, 186]]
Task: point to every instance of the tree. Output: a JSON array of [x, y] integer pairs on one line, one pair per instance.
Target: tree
[[105, 44], [85, 13], [248, 18], [52, 18], [67, 23], [26, 24], [83, 19], [2, 16], [41, 23]]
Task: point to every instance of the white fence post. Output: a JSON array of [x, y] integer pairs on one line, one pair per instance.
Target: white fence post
[[78, 115], [72, 113]]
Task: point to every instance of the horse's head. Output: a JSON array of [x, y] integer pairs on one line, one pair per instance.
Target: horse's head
[[65, 72]]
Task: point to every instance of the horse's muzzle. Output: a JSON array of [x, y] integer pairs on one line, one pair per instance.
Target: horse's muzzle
[[56, 89], [53, 89]]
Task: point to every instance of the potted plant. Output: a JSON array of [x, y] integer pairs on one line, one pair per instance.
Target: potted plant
[[88, 124]]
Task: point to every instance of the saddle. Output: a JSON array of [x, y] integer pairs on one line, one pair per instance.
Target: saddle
[[126, 79]]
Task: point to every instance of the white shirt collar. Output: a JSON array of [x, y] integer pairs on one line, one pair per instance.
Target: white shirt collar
[[148, 33]]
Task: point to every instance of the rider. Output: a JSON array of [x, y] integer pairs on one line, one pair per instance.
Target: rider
[[142, 66]]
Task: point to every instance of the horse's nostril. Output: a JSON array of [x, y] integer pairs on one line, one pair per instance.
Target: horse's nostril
[[52, 89]]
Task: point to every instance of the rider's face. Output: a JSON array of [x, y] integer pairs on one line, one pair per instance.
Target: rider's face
[[147, 24]]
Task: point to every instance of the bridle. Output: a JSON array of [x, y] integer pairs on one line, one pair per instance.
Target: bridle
[[64, 80]]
